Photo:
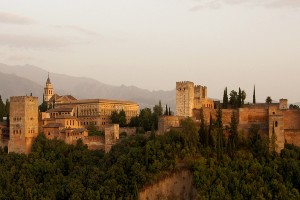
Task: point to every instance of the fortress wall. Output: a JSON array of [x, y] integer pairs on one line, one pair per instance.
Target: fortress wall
[[292, 136], [128, 130], [291, 119], [257, 115], [166, 122], [94, 142], [226, 116]]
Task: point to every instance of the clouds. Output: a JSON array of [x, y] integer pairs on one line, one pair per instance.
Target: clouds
[[10, 18], [28, 41], [216, 4], [78, 29], [283, 3]]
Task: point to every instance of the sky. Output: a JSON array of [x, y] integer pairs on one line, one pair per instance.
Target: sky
[[154, 43]]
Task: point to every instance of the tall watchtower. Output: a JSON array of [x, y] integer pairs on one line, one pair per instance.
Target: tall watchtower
[[48, 90], [23, 123], [185, 98]]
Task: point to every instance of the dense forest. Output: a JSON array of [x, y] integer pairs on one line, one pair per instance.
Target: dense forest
[[231, 169]]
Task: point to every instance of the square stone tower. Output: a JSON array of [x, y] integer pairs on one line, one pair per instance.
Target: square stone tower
[[185, 94], [23, 123]]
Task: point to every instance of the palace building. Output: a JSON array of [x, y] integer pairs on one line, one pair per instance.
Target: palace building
[[86, 112]]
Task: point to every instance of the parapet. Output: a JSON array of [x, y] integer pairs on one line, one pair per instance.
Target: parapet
[[22, 98], [184, 84]]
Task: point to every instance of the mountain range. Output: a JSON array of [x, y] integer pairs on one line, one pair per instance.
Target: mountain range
[[27, 79]]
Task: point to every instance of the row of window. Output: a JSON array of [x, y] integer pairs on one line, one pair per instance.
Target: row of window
[[71, 122], [17, 131], [48, 92], [17, 118]]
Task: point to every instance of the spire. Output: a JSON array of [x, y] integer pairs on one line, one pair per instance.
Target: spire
[[48, 80]]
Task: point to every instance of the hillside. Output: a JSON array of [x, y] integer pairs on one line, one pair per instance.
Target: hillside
[[12, 85], [80, 87]]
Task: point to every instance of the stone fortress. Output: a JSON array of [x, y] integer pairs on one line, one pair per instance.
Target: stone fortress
[[274, 117], [67, 120]]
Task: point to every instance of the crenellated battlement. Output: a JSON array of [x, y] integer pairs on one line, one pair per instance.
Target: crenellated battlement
[[198, 87], [184, 84], [22, 98]]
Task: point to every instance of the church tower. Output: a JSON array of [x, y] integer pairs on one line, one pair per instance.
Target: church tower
[[48, 90]]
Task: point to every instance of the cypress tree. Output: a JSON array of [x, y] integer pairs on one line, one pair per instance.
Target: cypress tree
[[201, 132], [273, 140], [239, 101], [225, 99], [166, 111], [7, 107], [2, 109], [254, 97], [233, 135], [170, 111], [210, 128], [219, 125]]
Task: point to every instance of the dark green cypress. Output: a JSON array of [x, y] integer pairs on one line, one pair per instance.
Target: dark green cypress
[[254, 97]]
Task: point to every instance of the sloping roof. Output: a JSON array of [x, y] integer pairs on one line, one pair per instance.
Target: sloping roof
[[87, 101], [54, 97], [53, 125], [60, 109], [66, 98], [74, 130]]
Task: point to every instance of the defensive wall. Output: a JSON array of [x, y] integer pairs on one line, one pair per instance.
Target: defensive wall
[[273, 119]]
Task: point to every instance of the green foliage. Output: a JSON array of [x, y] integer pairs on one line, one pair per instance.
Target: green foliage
[[246, 177], [233, 99], [203, 132], [55, 170], [257, 143], [294, 106], [119, 118], [158, 109], [2, 109], [219, 129], [166, 111], [233, 136], [43, 107], [269, 99], [237, 99]]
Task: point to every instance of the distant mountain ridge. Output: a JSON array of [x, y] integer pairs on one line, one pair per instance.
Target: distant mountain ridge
[[22, 80]]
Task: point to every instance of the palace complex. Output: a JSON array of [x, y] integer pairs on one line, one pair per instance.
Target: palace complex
[[69, 119], [272, 118]]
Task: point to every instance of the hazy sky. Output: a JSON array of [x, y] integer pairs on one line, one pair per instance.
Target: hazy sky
[[154, 43]]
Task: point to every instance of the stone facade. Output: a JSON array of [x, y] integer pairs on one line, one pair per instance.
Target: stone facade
[[24, 124], [189, 97], [166, 123], [99, 111]]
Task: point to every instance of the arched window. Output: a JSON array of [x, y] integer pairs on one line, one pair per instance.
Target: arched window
[[276, 124]]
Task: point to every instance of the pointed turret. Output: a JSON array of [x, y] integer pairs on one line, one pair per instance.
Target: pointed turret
[[48, 80], [48, 90]]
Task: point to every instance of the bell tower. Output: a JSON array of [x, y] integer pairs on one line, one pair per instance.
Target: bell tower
[[48, 90]]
